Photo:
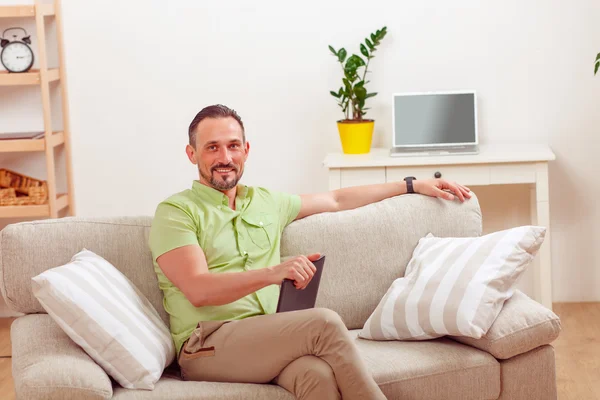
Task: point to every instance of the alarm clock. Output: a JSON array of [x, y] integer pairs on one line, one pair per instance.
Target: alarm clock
[[16, 55]]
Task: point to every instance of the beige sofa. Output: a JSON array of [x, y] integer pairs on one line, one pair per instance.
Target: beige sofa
[[366, 250]]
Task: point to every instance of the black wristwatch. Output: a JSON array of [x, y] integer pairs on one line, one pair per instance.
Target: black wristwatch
[[409, 184]]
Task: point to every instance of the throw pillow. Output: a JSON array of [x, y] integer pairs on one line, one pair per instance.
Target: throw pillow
[[454, 286], [105, 314]]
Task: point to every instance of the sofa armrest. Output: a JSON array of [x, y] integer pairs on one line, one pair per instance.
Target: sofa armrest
[[522, 325], [47, 364]]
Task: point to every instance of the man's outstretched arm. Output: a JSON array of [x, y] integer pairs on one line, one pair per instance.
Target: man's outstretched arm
[[358, 196]]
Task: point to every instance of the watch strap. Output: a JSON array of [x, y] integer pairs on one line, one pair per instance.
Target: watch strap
[[409, 184]]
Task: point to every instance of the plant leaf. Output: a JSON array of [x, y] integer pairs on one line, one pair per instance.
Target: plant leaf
[[598, 57], [347, 84], [333, 51], [361, 93], [371, 95], [351, 75], [369, 43], [363, 50], [381, 33], [342, 55], [354, 62], [334, 94], [373, 37], [359, 84], [350, 70], [596, 67]]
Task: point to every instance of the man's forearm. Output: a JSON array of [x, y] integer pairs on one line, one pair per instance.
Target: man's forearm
[[224, 288], [358, 196]]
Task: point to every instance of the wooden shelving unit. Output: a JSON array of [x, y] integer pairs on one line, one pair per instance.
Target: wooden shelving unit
[[32, 10], [51, 139], [27, 78]]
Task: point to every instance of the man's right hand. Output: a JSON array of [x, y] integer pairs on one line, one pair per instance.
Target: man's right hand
[[300, 269]]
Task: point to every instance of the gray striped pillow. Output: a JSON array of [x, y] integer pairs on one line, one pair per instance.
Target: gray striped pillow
[[454, 286], [105, 314]]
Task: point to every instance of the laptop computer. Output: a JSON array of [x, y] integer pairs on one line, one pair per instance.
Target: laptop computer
[[434, 123], [292, 299]]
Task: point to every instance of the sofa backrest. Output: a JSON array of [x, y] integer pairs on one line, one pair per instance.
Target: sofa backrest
[[366, 249], [29, 248]]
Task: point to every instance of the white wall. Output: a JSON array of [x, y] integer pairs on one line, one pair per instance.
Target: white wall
[[138, 71]]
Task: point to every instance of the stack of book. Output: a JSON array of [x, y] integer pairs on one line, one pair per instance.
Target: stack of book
[[21, 135]]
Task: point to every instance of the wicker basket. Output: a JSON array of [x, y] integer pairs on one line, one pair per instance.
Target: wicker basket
[[32, 191], [7, 193], [38, 194], [16, 201], [21, 183]]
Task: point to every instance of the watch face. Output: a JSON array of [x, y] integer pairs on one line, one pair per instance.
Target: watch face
[[17, 57]]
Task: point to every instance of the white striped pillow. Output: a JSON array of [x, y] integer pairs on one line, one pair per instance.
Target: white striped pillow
[[454, 286], [105, 314]]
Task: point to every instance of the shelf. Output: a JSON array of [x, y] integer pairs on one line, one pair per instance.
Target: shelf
[[62, 201], [23, 143], [25, 11], [27, 78], [18, 145]]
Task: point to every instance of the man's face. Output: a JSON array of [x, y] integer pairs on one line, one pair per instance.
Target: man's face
[[219, 153]]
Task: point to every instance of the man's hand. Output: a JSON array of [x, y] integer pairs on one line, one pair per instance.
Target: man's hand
[[300, 269], [438, 187]]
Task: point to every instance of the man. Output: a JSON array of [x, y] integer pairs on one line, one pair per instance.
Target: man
[[216, 253]]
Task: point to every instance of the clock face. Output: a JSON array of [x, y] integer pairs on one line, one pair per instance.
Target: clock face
[[17, 57]]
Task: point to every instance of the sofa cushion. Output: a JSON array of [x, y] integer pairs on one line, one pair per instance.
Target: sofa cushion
[[454, 286], [522, 325], [47, 364], [433, 369], [105, 314], [122, 241], [369, 247], [174, 389]]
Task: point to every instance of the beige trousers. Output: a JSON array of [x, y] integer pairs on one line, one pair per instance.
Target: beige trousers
[[309, 353]]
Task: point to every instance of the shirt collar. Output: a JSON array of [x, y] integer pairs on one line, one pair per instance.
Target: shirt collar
[[217, 198]]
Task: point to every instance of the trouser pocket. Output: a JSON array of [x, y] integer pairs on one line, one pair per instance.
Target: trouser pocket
[[194, 347]]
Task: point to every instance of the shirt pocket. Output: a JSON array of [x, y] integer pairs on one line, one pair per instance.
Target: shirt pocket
[[261, 229]]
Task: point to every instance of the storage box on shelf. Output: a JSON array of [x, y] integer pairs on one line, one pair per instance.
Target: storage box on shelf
[[21, 190], [32, 197]]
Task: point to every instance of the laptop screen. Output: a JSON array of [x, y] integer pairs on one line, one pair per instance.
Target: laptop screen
[[434, 119]]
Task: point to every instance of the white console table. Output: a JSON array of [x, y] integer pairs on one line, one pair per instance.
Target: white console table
[[494, 165]]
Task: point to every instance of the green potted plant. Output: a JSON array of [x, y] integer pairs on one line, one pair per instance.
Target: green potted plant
[[356, 132]]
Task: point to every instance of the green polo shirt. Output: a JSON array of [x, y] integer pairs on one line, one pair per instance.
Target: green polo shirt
[[243, 239]]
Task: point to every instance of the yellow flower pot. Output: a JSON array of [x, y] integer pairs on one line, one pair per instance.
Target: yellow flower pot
[[356, 137]]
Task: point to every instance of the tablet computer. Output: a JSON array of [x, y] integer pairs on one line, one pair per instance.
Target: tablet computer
[[292, 299]]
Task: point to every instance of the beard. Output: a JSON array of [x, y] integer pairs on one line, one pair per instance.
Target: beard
[[220, 182]]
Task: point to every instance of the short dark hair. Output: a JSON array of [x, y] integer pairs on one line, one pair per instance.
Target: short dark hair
[[214, 111]]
